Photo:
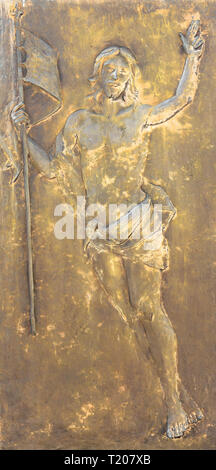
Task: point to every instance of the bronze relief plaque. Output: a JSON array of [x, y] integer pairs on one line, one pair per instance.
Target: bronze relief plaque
[[108, 224]]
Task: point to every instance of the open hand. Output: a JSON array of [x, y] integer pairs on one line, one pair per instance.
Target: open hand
[[193, 43]]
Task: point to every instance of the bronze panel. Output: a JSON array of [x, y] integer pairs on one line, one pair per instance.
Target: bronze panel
[[83, 381]]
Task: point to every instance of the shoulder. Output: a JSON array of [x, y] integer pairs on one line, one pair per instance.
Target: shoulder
[[141, 114], [144, 109], [74, 122]]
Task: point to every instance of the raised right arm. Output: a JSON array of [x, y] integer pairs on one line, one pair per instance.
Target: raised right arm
[[193, 44]]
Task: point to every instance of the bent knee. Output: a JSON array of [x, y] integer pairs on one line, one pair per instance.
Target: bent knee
[[146, 309]]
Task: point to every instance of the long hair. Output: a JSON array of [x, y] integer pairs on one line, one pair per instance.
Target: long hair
[[131, 93]]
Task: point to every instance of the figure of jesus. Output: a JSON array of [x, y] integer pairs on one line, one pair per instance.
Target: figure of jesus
[[101, 152]]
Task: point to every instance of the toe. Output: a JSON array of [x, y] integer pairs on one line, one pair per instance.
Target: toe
[[200, 415], [195, 416], [192, 418], [182, 429], [185, 425], [177, 431], [170, 432]]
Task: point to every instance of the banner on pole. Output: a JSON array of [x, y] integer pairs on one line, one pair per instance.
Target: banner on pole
[[41, 78]]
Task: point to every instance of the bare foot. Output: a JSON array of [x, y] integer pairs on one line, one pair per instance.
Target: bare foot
[[177, 422], [193, 411]]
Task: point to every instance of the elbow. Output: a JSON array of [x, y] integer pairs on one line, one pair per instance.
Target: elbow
[[51, 176], [182, 101], [186, 97], [50, 173]]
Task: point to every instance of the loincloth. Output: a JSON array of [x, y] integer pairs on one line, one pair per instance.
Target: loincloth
[[139, 234]]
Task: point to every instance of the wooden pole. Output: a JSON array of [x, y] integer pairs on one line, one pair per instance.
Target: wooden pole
[[25, 153]]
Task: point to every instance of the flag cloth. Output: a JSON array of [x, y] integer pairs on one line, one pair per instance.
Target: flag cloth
[[41, 78], [9, 155], [41, 85]]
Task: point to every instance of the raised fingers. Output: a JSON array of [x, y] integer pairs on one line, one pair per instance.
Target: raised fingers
[[198, 43], [193, 28]]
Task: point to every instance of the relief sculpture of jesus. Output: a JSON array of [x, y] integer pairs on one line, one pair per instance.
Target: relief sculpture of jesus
[[101, 152]]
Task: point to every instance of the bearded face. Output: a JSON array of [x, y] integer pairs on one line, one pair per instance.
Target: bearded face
[[115, 76]]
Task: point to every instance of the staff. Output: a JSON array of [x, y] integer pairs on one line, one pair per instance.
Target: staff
[[18, 12]]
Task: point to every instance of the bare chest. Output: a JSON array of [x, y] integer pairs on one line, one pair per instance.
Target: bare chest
[[117, 133]]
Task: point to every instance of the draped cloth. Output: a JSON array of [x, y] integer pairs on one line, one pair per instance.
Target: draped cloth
[[40, 80], [144, 227]]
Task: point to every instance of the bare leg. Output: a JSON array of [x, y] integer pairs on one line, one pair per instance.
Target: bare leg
[[145, 295], [145, 298], [163, 345], [110, 272]]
